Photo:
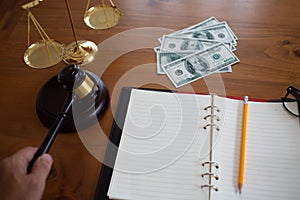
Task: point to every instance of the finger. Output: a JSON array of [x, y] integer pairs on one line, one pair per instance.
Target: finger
[[19, 160], [26, 152], [24, 155], [41, 167]]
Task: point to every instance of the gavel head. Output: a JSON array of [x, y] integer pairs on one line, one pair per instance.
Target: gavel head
[[89, 93], [66, 77], [82, 83]]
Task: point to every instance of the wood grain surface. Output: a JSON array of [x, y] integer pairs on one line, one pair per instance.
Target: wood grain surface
[[268, 48]]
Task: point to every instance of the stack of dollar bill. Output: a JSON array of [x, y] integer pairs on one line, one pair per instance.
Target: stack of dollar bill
[[196, 51]]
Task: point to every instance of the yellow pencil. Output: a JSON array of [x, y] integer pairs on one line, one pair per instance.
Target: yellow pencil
[[243, 145]]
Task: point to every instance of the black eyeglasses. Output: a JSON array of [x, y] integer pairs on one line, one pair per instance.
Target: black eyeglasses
[[292, 95]]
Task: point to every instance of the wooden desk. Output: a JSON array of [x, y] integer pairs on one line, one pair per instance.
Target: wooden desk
[[268, 33]]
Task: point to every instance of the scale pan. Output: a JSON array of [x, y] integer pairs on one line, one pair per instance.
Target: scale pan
[[102, 16], [44, 53]]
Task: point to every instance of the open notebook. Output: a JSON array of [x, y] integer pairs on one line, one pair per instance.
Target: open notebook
[[164, 152]]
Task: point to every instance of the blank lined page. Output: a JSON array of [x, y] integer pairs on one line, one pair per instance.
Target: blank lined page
[[162, 148], [272, 153]]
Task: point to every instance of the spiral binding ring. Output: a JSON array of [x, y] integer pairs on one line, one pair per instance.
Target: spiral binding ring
[[211, 163], [214, 116], [212, 107], [215, 125], [210, 174], [212, 125], [210, 186]]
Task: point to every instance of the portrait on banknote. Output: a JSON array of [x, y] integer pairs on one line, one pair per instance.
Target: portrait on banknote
[[196, 65], [191, 45], [203, 35]]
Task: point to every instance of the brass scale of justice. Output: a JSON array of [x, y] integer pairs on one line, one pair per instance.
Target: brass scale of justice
[[49, 52], [72, 87]]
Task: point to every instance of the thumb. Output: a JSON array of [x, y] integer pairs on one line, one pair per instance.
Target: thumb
[[42, 166]]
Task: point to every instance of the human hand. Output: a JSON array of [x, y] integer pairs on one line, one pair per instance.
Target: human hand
[[15, 183]]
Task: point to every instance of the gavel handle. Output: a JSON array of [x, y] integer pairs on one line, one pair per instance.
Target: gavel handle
[[50, 137]]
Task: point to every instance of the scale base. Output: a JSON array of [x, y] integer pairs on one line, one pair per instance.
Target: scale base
[[83, 52]]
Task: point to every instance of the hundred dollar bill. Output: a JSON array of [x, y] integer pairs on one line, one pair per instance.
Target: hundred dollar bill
[[163, 58], [225, 24], [208, 22], [179, 44], [199, 64], [217, 33]]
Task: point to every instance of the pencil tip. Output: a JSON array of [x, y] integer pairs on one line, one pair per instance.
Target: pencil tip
[[240, 188]]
